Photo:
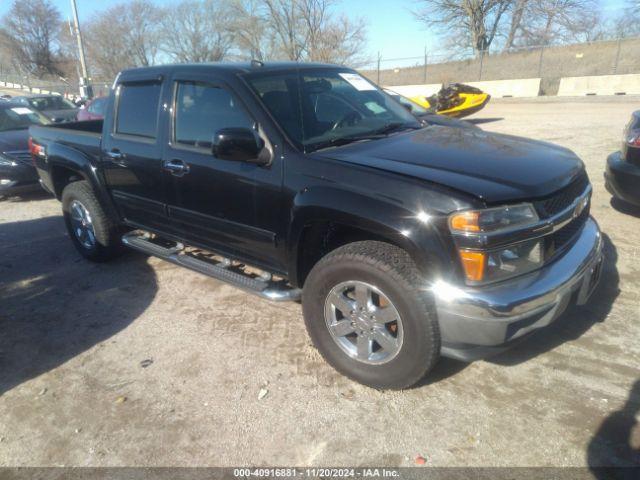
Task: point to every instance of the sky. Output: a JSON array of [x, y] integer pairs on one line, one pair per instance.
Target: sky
[[392, 28]]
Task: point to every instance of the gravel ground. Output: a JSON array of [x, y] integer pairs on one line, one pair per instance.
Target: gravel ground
[[139, 362]]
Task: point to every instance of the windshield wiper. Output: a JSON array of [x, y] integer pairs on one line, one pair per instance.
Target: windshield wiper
[[372, 135], [393, 127]]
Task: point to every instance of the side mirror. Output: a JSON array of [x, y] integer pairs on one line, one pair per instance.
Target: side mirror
[[240, 144]]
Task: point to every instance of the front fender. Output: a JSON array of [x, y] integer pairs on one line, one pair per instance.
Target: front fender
[[420, 234]]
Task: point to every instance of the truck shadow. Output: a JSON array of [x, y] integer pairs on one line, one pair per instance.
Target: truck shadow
[[625, 208], [31, 196], [616, 443], [55, 305], [576, 320]]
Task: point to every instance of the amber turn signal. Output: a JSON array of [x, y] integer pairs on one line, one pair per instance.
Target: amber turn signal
[[465, 222], [473, 264]]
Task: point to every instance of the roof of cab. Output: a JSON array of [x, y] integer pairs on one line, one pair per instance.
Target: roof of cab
[[226, 67]]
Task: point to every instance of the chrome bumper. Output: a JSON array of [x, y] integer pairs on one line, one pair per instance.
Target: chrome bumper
[[476, 322]]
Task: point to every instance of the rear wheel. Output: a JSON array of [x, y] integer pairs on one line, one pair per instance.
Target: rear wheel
[[93, 233], [368, 317]]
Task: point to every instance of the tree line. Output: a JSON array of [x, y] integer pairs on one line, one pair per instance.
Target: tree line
[[481, 25], [36, 40]]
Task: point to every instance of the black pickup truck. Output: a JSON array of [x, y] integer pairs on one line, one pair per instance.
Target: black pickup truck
[[404, 241]]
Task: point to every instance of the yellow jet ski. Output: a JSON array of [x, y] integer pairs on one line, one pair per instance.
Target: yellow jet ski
[[455, 100]]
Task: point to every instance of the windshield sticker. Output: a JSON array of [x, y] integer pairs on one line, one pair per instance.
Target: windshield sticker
[[375, 108], [22, 111], [358, 82]]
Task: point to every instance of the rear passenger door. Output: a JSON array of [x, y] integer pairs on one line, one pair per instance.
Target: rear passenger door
[[232, 207], [131, 153]]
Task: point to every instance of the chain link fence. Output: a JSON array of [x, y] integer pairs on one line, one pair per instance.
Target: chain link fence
[[549, 63], [29, 84]]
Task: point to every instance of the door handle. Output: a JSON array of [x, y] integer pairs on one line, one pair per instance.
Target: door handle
[[115, 155], [176, 167]]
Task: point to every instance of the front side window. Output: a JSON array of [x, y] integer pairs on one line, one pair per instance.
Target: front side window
[[327, 107], [201, 110], [138, 109]]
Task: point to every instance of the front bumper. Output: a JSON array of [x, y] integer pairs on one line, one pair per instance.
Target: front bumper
[[17, 178], [622, 179], [476, 322]]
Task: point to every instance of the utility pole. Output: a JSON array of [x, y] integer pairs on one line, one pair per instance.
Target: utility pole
[[426, 62], [85, 89]]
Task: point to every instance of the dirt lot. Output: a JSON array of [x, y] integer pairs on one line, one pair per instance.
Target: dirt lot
[[139, 362]]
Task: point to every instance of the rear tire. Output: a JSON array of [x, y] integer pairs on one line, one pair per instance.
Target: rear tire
[[92, 232], [409, 344]]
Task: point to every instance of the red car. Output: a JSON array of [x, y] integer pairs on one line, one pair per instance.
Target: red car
[[93, 109]]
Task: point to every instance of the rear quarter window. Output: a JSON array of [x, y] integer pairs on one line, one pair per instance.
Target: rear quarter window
[[138, 109]]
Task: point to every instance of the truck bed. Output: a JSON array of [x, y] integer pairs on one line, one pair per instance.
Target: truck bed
[[79, 134]]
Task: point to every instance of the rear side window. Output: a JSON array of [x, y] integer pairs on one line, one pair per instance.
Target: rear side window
[[138, 109], [203, 109]]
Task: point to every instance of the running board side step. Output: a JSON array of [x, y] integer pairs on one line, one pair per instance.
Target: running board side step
[[224, 270]]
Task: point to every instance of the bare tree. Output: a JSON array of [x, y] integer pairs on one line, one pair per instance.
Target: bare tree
[[288, 27], [628, 23], [252, 35], [471, 23], [517, 13], [142, 19], [547, 22], [125, 35], [197, 31], [29, 31], [298, 30], [342, 41]]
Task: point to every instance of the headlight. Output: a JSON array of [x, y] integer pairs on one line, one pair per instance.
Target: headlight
[[6, 162], [493, 219], [486, 266], [491, 266]]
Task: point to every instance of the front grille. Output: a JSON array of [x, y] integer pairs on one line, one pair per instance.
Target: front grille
[[19, 156], [559, 201], [563, 237]]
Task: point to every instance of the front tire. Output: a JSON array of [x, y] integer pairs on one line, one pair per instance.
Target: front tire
[[92, 232], [366, 313]]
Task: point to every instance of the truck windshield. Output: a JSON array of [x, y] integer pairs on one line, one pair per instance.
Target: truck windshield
[[19, 118], [329, 107]]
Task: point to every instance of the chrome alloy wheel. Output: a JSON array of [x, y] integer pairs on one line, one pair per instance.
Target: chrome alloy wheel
[[82, 225], [363, 322]]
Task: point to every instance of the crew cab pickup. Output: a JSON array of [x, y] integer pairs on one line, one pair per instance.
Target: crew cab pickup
[[404, 241]]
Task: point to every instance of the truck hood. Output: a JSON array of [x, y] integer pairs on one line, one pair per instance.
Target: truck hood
[[13, 140], [493, 167]]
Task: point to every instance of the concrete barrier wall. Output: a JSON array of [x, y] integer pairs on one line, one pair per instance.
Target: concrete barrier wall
[[524, 87], [599, 85], [417, 90]]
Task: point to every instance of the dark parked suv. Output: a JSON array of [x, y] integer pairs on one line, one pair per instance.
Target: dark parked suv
[[404, 241], [622, 176]]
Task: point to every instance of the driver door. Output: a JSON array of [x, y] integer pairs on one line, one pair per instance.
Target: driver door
[[232, 207]]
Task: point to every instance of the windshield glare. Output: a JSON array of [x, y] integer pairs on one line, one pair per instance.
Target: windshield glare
[[317, 108], [18, 118], [51, 103], [409, 104]]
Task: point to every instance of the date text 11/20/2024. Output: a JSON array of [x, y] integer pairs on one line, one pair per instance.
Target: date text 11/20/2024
[[316, 473]]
